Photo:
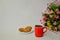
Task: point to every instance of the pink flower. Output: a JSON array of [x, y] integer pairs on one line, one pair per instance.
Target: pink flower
[[51, 16], [55, 23], [57, 11], [56, 17], [55, 29], [44, 19], [51, 11]]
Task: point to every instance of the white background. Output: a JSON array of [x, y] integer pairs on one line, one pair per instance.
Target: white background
[[21, 13]]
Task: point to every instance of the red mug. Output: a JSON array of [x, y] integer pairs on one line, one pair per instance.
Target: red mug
[[39, 30]]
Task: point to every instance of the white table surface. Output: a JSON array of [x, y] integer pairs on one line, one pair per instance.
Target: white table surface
[[47, 36], [21, 13]]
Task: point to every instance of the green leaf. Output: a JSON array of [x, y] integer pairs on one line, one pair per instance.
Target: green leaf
[[45, 24], [53, 27], [52, 7], [47, 15], [48, 23], [50, 26], [51, 21], [59, 25], [58, 6], [59, 30]]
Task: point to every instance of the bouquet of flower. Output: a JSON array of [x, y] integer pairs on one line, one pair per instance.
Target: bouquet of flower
[[52, 18]]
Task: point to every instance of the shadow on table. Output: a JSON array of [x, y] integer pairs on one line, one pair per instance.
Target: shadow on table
[[25, 33]]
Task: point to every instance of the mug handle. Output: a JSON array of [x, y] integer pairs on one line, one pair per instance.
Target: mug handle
[[45, 30]]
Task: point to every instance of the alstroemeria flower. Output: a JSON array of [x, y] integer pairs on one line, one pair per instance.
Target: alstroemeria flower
[[55, 29], [57, 11], [56, 17], [51, 16], [55, 23], [44, 19], [51, 11]]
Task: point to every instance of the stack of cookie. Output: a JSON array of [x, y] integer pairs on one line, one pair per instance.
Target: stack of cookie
[[26, 29]]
